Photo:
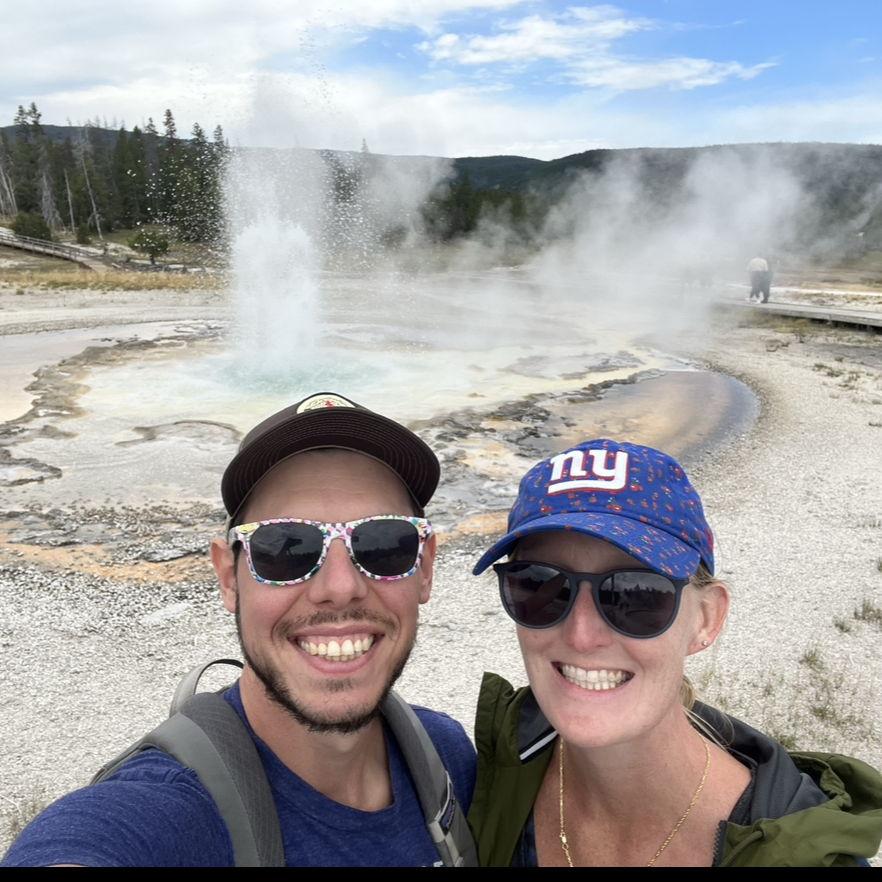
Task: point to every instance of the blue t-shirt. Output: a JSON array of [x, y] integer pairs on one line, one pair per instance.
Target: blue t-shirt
[[155, 812]]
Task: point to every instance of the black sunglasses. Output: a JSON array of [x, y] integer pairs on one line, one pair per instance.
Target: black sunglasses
[[636, 603]]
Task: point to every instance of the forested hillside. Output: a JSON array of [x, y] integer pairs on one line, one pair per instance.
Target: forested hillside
[[90, 179]]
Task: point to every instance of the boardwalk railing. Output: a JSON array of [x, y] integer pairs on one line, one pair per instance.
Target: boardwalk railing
[[44, 246]]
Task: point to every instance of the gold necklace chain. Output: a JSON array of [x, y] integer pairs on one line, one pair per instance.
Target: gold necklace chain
[[563, 832]]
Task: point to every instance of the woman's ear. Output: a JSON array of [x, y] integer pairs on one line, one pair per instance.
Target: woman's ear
[[713, 607]]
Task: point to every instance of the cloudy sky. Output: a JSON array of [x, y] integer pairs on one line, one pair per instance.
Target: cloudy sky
[[455, 77]]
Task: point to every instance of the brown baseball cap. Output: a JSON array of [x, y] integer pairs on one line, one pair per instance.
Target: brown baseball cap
[[327, 419]]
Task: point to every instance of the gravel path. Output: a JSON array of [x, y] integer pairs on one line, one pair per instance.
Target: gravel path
[[796, 503]]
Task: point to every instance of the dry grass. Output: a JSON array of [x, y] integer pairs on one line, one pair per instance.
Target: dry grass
[[817, 709], [17, 815], [842, 625], [112, 280], [870, 613], [811, 658]]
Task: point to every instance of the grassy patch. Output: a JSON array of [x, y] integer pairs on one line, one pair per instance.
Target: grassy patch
[[842, 625], [756, 318], [113, 280], [820, 707], [811, 658], [869, 613], [785, 739], [825, 713], [850, 380], [827, 370]]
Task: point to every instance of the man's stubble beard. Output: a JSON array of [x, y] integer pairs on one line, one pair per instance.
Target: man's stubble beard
[[278, 692]]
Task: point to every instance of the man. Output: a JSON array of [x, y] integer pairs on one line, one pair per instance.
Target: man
[[760, 280], [325, 627]]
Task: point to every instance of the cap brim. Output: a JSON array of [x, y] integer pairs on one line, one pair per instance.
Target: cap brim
[[650, 545], [350, 428]]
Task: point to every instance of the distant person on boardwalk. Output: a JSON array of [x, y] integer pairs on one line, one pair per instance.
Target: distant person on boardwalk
[[606, 758], [760, 280]]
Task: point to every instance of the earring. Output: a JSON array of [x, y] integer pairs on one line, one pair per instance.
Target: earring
[[705, 643]]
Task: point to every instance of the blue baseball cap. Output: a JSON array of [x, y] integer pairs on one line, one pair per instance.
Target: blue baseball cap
[[634, 497]]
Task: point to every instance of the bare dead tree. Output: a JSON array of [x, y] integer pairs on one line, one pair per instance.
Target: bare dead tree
[[95, 215], [47, 202], [84, 146], [69, 201], [8, 205]]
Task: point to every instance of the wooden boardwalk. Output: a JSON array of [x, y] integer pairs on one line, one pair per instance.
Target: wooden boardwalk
[[840, 315], [81, 256]]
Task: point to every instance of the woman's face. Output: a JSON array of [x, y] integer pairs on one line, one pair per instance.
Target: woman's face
[[644, 674]]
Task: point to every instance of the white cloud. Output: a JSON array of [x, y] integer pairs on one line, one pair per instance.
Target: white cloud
[[88, 42], [262, 75], [299, 109], [571, 35], [676, 73], [581, 41]]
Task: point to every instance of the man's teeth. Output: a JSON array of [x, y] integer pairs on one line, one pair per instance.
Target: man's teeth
[[333, 650], [594, 679]]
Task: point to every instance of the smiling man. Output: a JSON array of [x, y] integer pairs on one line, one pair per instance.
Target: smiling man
[[326, 560]]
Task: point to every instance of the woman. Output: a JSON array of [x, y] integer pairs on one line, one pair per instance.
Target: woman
[[604, 760]]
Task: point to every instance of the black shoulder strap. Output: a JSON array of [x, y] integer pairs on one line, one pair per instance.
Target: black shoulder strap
[[445, 819], [204, 733]]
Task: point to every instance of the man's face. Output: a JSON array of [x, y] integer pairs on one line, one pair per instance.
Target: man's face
[[286, 631]]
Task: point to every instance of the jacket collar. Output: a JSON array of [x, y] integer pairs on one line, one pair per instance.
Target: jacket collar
[[780, 788]]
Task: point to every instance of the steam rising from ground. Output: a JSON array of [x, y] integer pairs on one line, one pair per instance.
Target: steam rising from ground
[[651, 239], [274, 208], [292, 214], [648, 239], [645, 241]]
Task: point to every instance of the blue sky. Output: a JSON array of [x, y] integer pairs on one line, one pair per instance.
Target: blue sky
[[457, 77]]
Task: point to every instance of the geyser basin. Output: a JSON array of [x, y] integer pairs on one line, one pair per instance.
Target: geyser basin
[[136, 424]]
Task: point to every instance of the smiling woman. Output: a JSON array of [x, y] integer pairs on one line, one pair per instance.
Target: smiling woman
[[605, 759]]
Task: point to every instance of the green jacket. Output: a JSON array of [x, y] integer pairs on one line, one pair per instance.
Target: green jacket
[[806, 809]]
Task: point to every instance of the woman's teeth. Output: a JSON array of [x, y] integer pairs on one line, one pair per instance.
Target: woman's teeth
[[594, 679], [337, 650]]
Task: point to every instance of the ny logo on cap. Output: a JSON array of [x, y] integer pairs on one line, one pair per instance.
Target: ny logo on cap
[[588, 470]]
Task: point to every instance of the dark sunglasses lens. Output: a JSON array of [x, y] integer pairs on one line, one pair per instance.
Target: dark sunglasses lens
[[534, 595], [638, 604], [284, 552], [386, 547]]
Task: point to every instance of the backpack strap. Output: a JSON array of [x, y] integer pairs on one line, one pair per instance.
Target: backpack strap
[[445, 820], [206, 734], [190, 681]]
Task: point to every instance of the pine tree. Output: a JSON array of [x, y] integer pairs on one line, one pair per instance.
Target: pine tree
[[219, 142], [151, 151], [199, 214], [139, 172], [168, 172], [26, 160], [125, 199]]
